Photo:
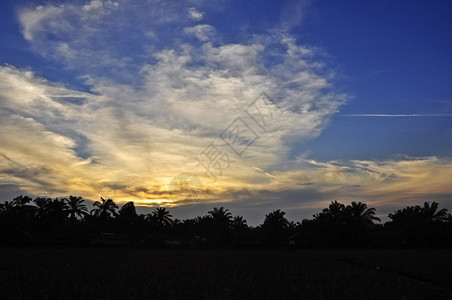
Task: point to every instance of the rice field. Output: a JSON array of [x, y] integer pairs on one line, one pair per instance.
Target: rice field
[[106, 273]]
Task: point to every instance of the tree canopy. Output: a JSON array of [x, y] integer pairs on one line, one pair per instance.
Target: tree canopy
[[355, 224]]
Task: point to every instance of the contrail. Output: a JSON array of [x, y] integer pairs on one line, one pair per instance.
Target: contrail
[[266, 173], [396, 115]]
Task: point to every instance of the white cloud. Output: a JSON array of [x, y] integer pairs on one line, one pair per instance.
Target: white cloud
[[194, 14], [202, 32], [33, 21], [93, 5]]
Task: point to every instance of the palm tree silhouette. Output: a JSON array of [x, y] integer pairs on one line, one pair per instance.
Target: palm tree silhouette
[[42, 206], [432, 214], [276, 219], [127, 217], [128, 210], [6, 208], [221, 216], [356, 221], [57, 207], [104, 209], [57, 213], [76, 207], [23, 207], [417, 224], [21, 201], [331, 216], [335, 209], [274, 228], [429, 213], [162, 217], [361, 214], [336, 225], [239, 224]]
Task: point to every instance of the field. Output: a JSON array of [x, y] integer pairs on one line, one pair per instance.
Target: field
[[224, 274]]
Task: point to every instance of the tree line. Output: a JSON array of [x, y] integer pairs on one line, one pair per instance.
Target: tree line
[[30, 221]]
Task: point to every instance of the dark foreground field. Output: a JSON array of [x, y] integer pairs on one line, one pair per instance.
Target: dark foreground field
[[224, 274]]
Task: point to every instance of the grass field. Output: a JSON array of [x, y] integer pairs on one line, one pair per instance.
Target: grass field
[[224, 274]]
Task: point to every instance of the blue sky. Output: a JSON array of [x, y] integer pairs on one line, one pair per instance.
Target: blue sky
[[395, 58], [116, 98]]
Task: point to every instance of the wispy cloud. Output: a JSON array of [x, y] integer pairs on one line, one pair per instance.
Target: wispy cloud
[[202, 32], [307, 186]]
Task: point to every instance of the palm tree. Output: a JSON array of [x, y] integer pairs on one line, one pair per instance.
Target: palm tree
[[274, 228], [276, 219], [127, 216], [330, 224], [42, 206], [239, 224], [10, 221], [360, 214], [419, 225], [57, 213], [432, 214], [405, 216], [357, 219], [6, 208], [221, 216], [21, 201], [76, 207], [57, 207], [24, 210], [293, 227], [332, 215], [335, 209], [448, 218], [23, 206], [128, 210], [427, 214], [162, 217], [104, 209]]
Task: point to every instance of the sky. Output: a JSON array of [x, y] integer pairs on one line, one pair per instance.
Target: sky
[[250, 105]]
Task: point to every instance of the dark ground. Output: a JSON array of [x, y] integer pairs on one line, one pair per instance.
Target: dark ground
[[225, 274]]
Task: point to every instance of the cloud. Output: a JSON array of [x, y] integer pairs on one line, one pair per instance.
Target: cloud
[[202, 32], [307, 186], [194, 14], [293, 14], [95, 37]]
